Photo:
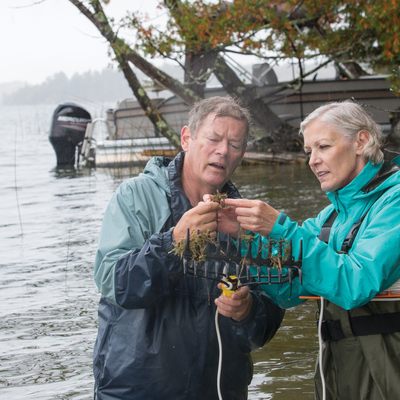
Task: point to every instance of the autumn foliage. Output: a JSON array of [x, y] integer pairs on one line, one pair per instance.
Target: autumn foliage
[[363, 31]]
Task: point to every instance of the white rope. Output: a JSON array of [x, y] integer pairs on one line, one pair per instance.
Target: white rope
[[220, 356], [321, 371]]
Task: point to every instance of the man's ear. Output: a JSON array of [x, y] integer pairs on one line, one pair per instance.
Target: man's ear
[[361, 141], [185, 138]]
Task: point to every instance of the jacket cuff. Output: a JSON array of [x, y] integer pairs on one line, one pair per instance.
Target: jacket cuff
[[280, 226]]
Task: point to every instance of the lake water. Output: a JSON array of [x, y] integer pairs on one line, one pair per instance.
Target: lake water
[[49, 225]]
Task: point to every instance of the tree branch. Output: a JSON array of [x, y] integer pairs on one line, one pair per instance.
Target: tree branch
[[99, 19], [185, 94]]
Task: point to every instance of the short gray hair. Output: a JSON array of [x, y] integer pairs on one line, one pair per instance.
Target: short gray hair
[[227, 106], [349, 118]]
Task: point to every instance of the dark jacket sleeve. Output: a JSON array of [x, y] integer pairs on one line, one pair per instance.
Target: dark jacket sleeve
[[134, 265], [261, 324], [145, 275]]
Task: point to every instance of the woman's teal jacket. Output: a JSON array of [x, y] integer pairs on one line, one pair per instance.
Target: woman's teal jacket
[[372, 264]]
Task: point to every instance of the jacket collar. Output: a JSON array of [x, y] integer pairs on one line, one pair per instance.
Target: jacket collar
[[371, 180], [347, 193], [179, 202]]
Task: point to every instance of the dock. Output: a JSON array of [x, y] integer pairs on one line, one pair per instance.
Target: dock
[[122, 160]]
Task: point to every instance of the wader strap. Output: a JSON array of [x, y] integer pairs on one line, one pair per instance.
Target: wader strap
[[326, 227], [387, 169], [376, 324], [346, 324], [349, 239]]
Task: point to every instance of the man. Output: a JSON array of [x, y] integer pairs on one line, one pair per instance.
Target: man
[[157, 336]]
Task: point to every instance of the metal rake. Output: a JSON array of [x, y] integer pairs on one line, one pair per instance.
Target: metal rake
[[224, 259]]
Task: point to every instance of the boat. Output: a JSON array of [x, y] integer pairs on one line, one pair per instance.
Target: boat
[[131, 138]]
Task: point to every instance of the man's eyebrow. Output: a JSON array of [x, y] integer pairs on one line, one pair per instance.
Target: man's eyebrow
[[231, 140]]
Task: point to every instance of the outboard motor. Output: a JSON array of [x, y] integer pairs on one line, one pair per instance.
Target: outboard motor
[[68, 128]]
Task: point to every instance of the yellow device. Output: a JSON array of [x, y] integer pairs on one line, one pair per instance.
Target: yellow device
[[230, 286]]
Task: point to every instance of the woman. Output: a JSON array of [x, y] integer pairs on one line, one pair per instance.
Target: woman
[[361, 356]]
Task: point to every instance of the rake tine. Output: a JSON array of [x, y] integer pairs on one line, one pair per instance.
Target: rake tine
[[291, 250], [248, 272], [194, 267], [290, 274], [259, 273], [239, 247], [259, 247], [237, 270], [228, 247], [218, 249], [217, 264], [208, 250], [248, 254], [269, 274], [226, 270], [187, 253], [206, 269], [185, 262]]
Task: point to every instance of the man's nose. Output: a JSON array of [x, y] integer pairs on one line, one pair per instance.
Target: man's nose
[[222, 148]]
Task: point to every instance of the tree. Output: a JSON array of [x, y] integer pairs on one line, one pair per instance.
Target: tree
[[203, 32]]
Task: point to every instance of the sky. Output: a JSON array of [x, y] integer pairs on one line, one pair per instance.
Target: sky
[[39, 38]]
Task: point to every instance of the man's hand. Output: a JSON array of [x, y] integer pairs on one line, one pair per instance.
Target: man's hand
[[226, 218], [200, 218], [236, 307], [254, 215]]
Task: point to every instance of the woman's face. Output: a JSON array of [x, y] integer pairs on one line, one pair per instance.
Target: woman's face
[[335, 159]]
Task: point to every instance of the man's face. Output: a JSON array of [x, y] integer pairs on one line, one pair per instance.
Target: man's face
[[215, 152]]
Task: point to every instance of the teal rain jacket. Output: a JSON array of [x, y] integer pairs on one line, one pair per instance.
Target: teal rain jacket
[[355, 367], [157, 337], [373, 263]]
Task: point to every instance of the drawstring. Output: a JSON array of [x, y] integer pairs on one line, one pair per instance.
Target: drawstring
[[220, 355], [321, 371], [337, 201]]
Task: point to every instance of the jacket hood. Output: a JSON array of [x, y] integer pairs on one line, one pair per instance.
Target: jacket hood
[[157, 170], [379, 178]]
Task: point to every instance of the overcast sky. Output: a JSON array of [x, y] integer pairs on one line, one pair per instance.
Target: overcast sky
[[40, 38]]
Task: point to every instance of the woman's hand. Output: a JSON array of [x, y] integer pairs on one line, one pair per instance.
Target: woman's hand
[[226, 219], [254, 215]]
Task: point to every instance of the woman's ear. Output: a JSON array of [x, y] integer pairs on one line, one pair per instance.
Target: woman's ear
[[361, 141], [185, 138]]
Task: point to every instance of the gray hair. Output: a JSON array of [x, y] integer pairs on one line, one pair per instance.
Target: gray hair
[[349, 118], [227, 106]]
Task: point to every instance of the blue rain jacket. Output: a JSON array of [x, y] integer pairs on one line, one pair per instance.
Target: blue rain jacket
[[157, 337], [372, 264]]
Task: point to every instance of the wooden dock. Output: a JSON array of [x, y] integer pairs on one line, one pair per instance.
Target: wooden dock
[[122, 160]]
